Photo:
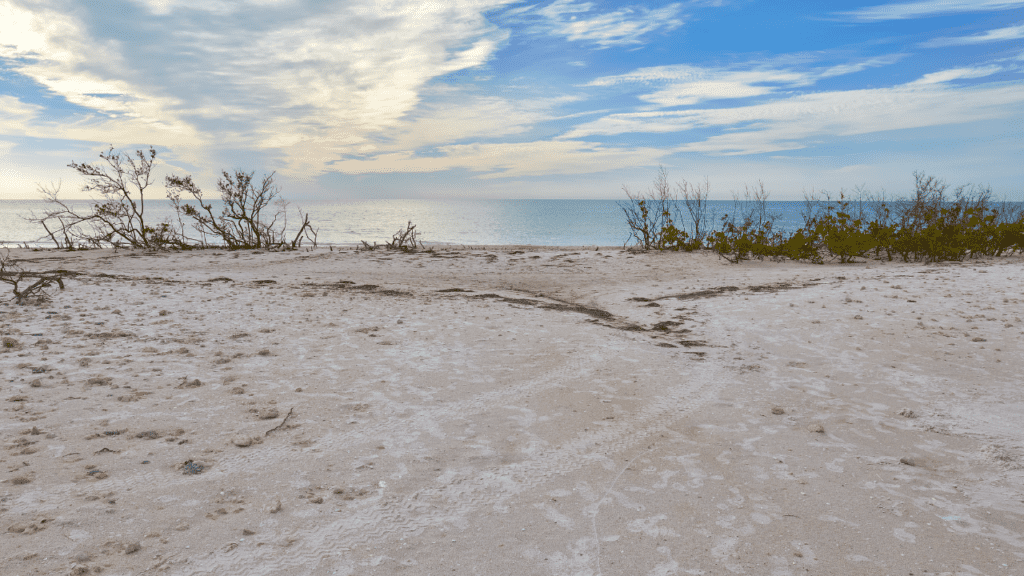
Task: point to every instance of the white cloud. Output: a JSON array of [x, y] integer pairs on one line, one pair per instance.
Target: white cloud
[[798, 121], [452, 118], [692, 93], [50, 47], [996, 35], [956, 74], [684, 74], [15, 115], [502, 160], [282, 75], [854, 67], [689, 85], [164, 7], [678, 72], [686, 85], [622, 27], [907, 10], [474, 117]]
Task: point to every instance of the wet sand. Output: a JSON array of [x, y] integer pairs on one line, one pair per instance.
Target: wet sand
[[512, 410]]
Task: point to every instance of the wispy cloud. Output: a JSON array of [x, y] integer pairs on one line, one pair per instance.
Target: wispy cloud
[[16, 115], [996, 35], [788, 123], [799, 121], [55, 50], [956, 74], [506, 159], [336, 73], [448, 121], [685, 85], [907, 10], [578, 22], [690, 85], [423, 138], [854, 67]]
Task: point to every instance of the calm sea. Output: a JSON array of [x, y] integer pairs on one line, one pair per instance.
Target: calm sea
[[465, 222]]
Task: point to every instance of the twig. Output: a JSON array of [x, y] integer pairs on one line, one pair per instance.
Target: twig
[[286, 416]]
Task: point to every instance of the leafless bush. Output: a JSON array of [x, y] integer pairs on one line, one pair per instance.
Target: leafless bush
[[59, 220], [242, 223], [696, 199], [117, 218], [649, 216], [756, 202]]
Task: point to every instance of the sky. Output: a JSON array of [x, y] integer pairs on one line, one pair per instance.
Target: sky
[[512, 99]]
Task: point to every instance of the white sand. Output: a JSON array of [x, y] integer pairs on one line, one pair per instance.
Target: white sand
[[549, 430]]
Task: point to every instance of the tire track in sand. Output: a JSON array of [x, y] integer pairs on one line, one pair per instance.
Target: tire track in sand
[[416, 512], [230, 467]]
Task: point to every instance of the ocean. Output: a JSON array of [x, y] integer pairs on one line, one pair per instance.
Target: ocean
[[457, 222]]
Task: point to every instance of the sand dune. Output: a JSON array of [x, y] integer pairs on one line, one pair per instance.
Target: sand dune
[[512, 411]]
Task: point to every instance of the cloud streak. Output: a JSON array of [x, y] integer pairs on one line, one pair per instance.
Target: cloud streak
[[996, 35], [690, 85], [800, 121], [621, 27], [927, 8], [505, 160], [686, 85]]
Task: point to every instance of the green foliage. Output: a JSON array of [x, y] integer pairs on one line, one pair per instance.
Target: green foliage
[[843, 235], [675, 239], [801, 246], [652, 217], [925, 228]]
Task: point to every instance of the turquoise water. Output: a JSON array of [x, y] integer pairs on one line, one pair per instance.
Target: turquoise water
[[469, 222]]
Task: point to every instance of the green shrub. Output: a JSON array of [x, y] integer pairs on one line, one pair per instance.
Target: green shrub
[[652, 217], [928, 227]]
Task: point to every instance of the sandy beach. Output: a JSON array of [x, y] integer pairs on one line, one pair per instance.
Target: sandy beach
[[512, 410]]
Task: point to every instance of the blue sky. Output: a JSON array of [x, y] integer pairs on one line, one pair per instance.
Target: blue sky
[[508, 99]]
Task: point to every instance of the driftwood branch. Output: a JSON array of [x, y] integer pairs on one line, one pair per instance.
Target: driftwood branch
[[15, 275], [286, 416], [405, 239]]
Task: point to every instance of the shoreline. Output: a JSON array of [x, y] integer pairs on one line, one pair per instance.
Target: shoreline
[[562, 410]]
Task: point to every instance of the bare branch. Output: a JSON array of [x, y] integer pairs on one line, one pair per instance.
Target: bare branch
[[241, 223], [405, 239], [13, 274], [279, 426]]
